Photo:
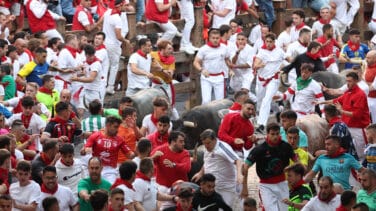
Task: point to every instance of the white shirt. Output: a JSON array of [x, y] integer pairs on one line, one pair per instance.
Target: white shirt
[[315, 204], [36, 122], [362, 85], [24, 58], [221, 163], [272, 60], [124, 22], [2, 91], [25, 195], [213, 59], [13, 102], [146, 193], [255, 34], [284, 40], [139, 81], [16, 68], [69, 176], [220, 5], [110, 23], [39, 8], [98, 81], [295, 49], [51, 55], [344, 14], [317, 27], [66, 60], [129, 194], [103, 56], [245, 57], [294, 33], [64, 196]]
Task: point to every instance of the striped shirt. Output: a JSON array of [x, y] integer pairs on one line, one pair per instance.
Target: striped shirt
[[93, 123]]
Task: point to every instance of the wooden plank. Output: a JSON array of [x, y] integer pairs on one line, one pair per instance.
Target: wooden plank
[[185, 87], [181, 57], [198, 28]]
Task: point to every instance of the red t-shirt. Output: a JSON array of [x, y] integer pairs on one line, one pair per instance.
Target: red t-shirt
[[235, 126], [355, 100], [107, 148], [327, 49], [243, 6], [167, 176], [157, 140]]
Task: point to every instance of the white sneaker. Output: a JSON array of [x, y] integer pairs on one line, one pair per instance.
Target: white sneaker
[[187, 49], [110, 90], [194, 48], [178, 34]]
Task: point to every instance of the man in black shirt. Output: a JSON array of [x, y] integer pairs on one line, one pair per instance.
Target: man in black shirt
[[206, 198]]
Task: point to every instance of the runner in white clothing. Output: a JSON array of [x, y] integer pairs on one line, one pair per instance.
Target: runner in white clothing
[[298, 17], [344, 15], [102, 54], [223, 12]]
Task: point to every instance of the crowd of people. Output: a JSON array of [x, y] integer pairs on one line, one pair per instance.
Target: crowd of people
[[60, 149]]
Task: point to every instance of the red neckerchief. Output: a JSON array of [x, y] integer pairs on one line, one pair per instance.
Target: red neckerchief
[[239, 29], [4, 58], [153, 119], [141, 53], [334, 120], [162, 138], [141, 175], [372, 66], [166, 59], [59, 120], [210, 44], [26, 120], [273, 144], [303, 44], [313, 56], [300, 26], [339, 152], [353, 46], [266, 48], [45, 190], [332, 195], [223, 41], [119, 181], [94, 60], [178, 207], [45, 158], [297, 185], [72, 50], [115, 11], [236, 106], [341, 208], [46, 91], [100, 47], [62, 161], [322, 21]]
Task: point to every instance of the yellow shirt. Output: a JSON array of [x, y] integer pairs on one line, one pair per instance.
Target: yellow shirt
[[302, 155]]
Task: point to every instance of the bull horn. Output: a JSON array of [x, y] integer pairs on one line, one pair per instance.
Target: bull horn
[[189, 124], [282, 79]]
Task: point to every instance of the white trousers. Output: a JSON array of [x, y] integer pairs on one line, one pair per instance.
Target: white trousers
[[186, 12], [87, 96], [272, 195], [264, 98], [208, 84], [169, 29], [372, 26], [358, 135], [110, 174], [114, 52], [372, 108]]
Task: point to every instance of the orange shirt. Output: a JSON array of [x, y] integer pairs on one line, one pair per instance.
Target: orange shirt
[[129, 136]]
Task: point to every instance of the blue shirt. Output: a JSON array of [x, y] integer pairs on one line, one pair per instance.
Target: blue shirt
[[359, 54], [67, 7], [337, 168], [303, 140], [371, 156]]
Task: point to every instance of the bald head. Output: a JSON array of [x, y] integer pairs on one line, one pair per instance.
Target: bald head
[[371, 57], [20, 44], [65, 95]]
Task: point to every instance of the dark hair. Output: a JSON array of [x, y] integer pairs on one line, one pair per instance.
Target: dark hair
[[174, 136], [207, 178], [354, 32], [40, 50], [304, 31], [49, 145], [164, 119], [117, 191], [223, 29], [240, 93], [352, 75], [289, 114], [11, 49], [347, 196], [126, 99], [249, 101], [48, 202], [17, 123], [127, 112], [89, 50], [69, 37], [4, 141], [185, 193], [3, 43], [307, 66], [61, 106], [6, 197], [334, 138], [371, 127], [49, 169], [101, 34], [95, 158], [66, 149], [313, 45], [98, 199], [143, 145], [270, 35], [27, 102], [46, 78], [293, 129], [4, 155], [6, 68], [272, 127], [299, 12], [213, 31], [19, 35], [362, 206], [241, 34], [288, 21], [208, 133], [160, 102], [327, 178], [127, 169], [112, 120], [53, 41], [331, 110], [146, 165], [95, 107], [327, 27], [250, 202], [234, 20], [143, 42], [23, 165], [297, 168]]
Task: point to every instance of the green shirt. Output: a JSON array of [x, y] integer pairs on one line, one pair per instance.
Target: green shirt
[[9, 87], [300, 194], [369, 199], [111, 112], [86, 184], [48, 100]]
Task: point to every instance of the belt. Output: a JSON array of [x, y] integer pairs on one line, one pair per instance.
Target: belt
[[267, 80], [216, 74]]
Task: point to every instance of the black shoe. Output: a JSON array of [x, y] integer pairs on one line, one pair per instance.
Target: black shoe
[[260, 129]]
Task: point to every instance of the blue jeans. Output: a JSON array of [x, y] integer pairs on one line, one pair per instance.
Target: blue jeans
[[140, 10], [267, 7], [317, 4], [299, 3]]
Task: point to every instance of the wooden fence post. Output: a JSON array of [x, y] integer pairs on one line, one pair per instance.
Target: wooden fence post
[[198, 28], [279, 10]]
